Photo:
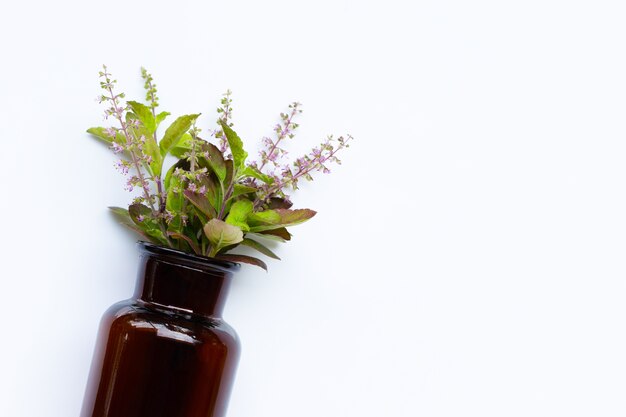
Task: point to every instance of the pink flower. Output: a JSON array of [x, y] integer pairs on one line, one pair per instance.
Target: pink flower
[[122, 166], [117, 148]]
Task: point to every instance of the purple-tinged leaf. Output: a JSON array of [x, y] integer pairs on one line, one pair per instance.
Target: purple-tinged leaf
[[201, 203], [213, 191], [226, 249], [139, 213], [245, 259], [292, 217], [259, 247], [141, 233], [215, 160], [274, 219], [187, 239], [281, 234], [279, 203], [230, 171]]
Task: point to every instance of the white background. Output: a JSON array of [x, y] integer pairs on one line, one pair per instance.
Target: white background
[[467, 258]]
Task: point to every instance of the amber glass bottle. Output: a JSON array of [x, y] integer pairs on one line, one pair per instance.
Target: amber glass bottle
[[166, 352]]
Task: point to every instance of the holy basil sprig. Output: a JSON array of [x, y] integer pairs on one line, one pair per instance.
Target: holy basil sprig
[[212, 198]]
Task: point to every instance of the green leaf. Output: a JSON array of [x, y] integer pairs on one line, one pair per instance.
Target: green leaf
[[122, 216], [182, 147], [259, 247], [160, 117], [236, 145], [175, 196], [221, 234], [157, 236], [238, 214], [174, 203], [144, 113], [274, 219], [150, 145], [239, 189], [102, 134], [152, 149], [253, 172], [142, 216], [267, 217], [196, 214], [182, 164], [175, 132], [245, 259]]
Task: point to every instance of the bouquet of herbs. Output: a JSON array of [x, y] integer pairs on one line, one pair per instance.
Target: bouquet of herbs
[[213, 198]]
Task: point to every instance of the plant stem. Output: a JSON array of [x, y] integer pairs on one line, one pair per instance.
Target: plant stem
[[157, 178], [144, 185], [226, 196], [161, 195], [301, 172], [118, 115], [281, 136]]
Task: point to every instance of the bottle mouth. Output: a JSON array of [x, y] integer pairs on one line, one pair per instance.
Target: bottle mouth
[[188, 259]]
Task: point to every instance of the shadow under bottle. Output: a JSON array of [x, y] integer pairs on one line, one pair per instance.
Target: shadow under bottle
[[166, 352]]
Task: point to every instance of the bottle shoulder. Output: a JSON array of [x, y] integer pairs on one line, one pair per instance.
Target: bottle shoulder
[[132, 316]]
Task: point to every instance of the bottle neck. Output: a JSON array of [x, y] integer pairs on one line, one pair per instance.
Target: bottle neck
[[171, 279]]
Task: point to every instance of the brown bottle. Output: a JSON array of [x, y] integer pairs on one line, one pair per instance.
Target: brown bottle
[[166, 352]]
